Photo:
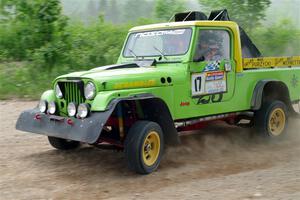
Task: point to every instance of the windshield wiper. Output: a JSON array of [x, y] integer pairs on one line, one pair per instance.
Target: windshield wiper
[[160, 52], [132, 53]]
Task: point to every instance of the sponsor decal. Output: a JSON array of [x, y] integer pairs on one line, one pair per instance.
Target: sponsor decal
[[267, 62], [135, 84], [158, 33], [212, 87], [214, 98], [212, 66], [212, 76], [185, 103]]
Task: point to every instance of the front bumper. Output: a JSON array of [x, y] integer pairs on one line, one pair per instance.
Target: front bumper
[[86, 130]]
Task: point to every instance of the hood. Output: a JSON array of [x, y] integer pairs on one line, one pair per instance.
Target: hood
[[127, 75]]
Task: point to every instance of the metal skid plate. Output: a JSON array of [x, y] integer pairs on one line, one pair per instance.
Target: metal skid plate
[[85, 130]]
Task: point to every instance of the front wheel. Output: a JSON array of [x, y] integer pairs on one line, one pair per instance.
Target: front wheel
[[271, 120], [63, 144], [144, 146]]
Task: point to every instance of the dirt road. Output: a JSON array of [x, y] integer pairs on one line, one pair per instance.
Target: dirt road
[[222, 162]]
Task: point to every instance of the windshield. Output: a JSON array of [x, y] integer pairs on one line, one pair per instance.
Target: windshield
[[172, 42]]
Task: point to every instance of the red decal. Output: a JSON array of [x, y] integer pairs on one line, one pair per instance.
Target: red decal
[[218, 73], [184, 103], [37, 117]]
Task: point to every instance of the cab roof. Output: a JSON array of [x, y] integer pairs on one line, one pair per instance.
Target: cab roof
[[229, 24]]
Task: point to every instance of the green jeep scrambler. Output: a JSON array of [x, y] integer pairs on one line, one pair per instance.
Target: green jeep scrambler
[[169, 78]]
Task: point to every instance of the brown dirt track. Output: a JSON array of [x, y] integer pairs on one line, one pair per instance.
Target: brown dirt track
[[222, 162]]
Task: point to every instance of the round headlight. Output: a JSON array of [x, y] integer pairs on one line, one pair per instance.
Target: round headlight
[[52, 107], [90, 90], [58, 92], [83, 110], [43, 106], [72, 109]]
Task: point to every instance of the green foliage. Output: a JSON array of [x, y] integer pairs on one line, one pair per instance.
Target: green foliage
[[30, 25], [165, 9], [95, 45], [23, 80], [248, 13], [280, 39]]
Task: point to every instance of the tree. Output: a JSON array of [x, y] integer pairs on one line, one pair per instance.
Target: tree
[[279, 39], [248, 13], [165, 9], [31, 24]]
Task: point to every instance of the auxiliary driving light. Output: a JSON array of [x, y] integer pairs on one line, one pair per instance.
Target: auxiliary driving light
[[52, 107], [43, 106], [72, 109], [83, 110]]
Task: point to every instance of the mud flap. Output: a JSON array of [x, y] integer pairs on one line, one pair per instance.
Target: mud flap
[[84, 130]]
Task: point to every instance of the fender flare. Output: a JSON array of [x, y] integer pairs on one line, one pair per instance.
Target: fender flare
[[257, 96], [156, 110]]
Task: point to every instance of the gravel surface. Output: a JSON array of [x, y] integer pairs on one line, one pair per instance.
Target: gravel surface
[[221, 162]]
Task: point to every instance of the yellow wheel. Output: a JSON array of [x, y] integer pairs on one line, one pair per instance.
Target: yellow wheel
[[144, 146], [151, 148], [271, 119], [277, 121]]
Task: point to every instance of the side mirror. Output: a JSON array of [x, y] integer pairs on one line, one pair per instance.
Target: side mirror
[[227, 66], [199, 59]]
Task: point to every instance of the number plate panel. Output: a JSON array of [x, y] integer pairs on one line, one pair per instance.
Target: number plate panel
[[208, 83]]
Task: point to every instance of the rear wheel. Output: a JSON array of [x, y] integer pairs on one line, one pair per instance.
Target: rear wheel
[[144, 146], [63, 144], [271, 120]]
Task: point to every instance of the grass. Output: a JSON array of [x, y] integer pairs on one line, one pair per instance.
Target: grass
[[22, 80]]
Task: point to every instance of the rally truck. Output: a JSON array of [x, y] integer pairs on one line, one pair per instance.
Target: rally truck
[[170, 78]]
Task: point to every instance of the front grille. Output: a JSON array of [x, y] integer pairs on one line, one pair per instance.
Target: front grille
[[73, 91]]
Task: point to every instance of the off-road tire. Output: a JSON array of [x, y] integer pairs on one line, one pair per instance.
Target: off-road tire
[[140, 135], [265, 123], [63, 144]]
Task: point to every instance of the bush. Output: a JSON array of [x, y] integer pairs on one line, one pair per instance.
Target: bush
[[280, 39], [86, 47], [23, 80]]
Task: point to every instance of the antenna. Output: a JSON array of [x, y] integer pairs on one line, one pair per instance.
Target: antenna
[[218, 15], [187, 16]]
